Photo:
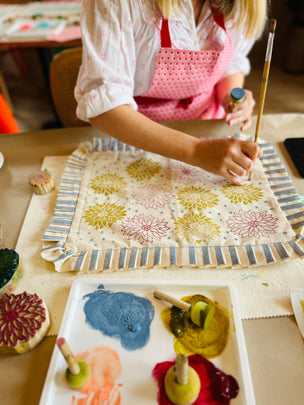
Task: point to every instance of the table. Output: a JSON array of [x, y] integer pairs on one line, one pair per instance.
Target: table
[[275, 346]]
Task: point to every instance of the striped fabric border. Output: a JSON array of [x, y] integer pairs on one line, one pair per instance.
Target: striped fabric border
[[65, 259]]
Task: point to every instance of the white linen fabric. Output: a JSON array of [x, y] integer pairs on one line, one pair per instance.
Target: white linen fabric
[[121, 41], [120, 208]]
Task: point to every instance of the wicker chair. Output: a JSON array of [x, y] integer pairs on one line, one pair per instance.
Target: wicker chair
[[63, 75]]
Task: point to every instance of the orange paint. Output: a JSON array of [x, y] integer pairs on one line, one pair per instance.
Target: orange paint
[[105, 368]]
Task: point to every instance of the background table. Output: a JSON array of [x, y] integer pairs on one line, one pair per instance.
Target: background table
[[275, 346]]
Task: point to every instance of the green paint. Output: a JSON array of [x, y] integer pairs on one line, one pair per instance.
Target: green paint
[[177, 321]]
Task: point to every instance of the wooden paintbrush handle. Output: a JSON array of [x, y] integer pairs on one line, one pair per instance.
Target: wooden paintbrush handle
[[172, 300], [72, 363], [181, 365]]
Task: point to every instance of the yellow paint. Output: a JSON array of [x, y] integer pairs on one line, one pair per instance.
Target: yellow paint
[[208, 343]]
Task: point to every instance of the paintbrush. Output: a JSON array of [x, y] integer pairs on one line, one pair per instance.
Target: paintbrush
[[272, 28]]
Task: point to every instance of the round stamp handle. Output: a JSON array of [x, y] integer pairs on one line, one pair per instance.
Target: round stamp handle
[[172, 300], [72, 363], [181, 366]]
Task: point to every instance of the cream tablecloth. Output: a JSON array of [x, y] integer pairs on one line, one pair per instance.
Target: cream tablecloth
[[263, 291]]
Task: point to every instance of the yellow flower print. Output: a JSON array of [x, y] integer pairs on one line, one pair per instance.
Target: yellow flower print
[[143, 169], [197, 228], [101, 215], [107, 183], [197, 197], [245, 194]]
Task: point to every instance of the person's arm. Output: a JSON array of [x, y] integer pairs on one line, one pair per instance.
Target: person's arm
[[240, 113], [219, 156]]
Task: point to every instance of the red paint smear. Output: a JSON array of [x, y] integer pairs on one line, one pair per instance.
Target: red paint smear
[[26, 27], [210, 393]]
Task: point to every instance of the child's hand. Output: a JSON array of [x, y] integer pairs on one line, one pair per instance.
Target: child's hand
[[240, 113], [230, 158]]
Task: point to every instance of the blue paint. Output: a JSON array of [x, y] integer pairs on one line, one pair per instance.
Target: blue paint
[[44, 25], [120, 315]]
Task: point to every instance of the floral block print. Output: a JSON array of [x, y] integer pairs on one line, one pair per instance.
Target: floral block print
[[119, 207]]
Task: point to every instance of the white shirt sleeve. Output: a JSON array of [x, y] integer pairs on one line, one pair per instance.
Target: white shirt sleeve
[[240, 61], [106, 75]]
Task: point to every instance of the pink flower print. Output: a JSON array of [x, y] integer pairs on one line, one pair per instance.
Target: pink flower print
[[251, 224], [152, 196], [183, 173], [104, 33], [102, 56], [144, 229], [21, 316], [129, 24], [105, 10]]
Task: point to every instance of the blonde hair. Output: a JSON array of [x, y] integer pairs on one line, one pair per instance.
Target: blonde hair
[[250, 15]]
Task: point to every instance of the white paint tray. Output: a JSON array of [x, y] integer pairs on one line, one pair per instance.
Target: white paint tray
[[136, 384]]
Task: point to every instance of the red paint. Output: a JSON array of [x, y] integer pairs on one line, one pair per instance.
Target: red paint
[[217, 388], [60, 341], [26, 27]]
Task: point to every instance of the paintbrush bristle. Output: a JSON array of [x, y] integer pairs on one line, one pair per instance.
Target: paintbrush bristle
[[273, 24]]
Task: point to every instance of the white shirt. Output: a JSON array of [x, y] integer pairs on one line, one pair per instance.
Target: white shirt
[[121, 41]]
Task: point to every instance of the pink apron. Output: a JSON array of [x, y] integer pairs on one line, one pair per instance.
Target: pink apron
[[184, 82]]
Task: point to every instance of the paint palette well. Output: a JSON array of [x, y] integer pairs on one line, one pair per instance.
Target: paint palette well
[[124, 360]]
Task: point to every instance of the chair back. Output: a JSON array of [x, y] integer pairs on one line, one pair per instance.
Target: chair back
[[63, 75]]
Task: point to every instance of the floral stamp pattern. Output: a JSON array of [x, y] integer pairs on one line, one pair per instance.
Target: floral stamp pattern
[[144, 228], [182, 173], [143, 169], [162, 201], [246, 194], [197, 197], [252, 224], [102, 215], [152, 196], [107, 183], [21, 316], [197, 228]]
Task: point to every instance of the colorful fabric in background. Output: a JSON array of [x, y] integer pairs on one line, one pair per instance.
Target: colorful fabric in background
[[121, 208]]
